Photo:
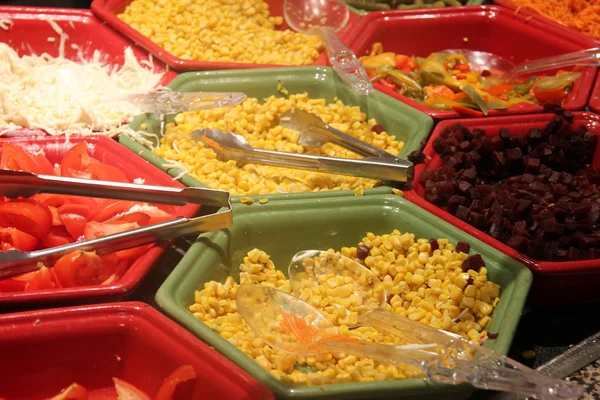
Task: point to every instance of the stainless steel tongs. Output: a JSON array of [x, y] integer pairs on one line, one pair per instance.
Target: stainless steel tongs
[[24, 184]]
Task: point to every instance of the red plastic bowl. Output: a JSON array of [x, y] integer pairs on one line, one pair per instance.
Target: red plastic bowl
[[110, 152], [530, 13], [45, 351], [594, 103], [29, 33], [108, 10], [554, 282], [486, 28]]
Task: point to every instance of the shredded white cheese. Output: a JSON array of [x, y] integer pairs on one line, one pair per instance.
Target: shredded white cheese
[[5, 23], [51, 39], [61, 96], [139, 181]]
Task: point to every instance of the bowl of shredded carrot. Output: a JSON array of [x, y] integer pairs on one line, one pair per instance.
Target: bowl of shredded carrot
[[579, 15]]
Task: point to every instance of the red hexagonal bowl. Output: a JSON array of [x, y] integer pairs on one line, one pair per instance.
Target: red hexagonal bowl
[[485, 28], [554, 282], [47, 350]]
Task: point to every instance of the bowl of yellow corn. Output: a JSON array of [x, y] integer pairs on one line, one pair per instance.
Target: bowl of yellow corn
[[215, 34], [377, 119], [424, 280]]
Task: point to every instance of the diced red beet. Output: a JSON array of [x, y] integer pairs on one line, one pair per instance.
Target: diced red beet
[[462, 212], [378, 128], [532, 165], [518, 243], [492, 336], [464, 186], [463, 247], [444, 189], [434, 244], [473, 262]]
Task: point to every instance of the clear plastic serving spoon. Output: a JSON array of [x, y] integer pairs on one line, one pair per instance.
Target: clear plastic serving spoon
[[481, 60], [470, 363], [172, 102], [324, 18]]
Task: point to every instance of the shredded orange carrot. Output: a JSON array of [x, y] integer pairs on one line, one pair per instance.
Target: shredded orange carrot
[[582, 15]]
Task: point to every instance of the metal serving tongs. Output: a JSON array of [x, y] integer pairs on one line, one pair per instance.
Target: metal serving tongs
[[230, 145], [24, 184]]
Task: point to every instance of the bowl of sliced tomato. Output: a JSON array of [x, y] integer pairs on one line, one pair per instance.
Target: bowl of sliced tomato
[[48, 220], [113, 351]]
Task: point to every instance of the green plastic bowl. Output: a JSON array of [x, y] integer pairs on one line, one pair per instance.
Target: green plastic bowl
[[406, 123], [468, 3], [285, 227]]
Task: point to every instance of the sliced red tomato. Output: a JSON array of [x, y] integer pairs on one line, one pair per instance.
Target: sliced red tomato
[[17, 239], [105, 172], [77, 162], [14, 157], [58, 236], [41, 280], [141, 218], [12, 285], [82, 268], [134, 253], [127, 391], [57, 200], [122, 267], [182, 374], [107, 209], [463, 67], [44, 165], [28, 216], [95, 229], [550, 96], [74, 216], [56, 221], [73, 392]]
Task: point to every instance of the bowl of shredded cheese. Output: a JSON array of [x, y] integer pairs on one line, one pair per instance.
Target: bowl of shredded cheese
[[63, 72], [420, 259]]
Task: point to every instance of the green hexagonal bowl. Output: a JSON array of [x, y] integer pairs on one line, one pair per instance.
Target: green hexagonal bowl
[[283, 228], [407, 124]]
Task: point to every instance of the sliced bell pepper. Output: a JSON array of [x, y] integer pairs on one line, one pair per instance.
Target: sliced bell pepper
[[499, 90], [467, 111]]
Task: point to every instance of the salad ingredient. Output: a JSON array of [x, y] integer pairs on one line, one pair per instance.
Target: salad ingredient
[[223, 31], [61, 96], [127, 391], [49, 220], [537, 192], [258, 124], [582, 15], [424, 284], [445, 81]]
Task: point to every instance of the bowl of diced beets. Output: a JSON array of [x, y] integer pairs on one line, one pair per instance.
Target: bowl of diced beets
[[124, 351], [526, 185], [48, 220]]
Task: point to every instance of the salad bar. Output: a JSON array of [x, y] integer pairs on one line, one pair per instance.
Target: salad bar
[[299, 199]]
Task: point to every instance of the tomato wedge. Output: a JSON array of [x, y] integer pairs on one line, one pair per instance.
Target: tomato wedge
[[134, 253], [73, 392], [182, 374], [77, 162], [28, 216], [549, 96], [105, 172], [74, 217], [45, 166], [17, 239], [107, 209], [82, 268], [14, 157], [127, 391], [95, 229], [58, 236], [41, 280], [12, 285]]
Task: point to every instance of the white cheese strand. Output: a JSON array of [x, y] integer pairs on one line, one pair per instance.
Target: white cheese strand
[[61, 96]]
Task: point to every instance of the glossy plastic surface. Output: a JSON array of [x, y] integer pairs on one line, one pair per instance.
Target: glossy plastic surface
[[594, 103], [29, 35], [486, 28], [112, 153], [406, 123], [108, 10], [555, 282], [50, 349], [530, 13], [322, 224]]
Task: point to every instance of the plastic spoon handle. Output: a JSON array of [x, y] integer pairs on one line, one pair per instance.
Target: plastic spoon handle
[[588, 57], [344, 61], [487, 370]]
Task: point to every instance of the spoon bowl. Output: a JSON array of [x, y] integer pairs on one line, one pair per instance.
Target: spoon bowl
[[483, 61], [303, 15]]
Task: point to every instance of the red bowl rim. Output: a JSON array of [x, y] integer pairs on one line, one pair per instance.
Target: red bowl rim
[[576, 100], [100, 9], [530, 13], [134, 274], [594, 103], [540, 267]]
